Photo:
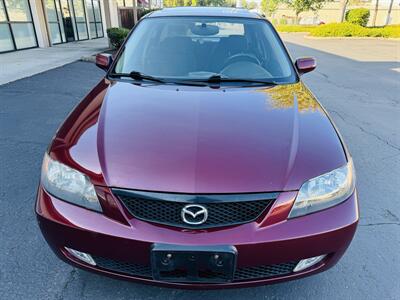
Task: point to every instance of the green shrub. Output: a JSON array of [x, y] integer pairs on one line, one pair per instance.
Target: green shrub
[[117, 36], [282, 21], [358, 16], [352, 30]]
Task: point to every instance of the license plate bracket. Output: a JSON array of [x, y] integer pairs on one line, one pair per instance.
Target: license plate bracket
[[194, 264]]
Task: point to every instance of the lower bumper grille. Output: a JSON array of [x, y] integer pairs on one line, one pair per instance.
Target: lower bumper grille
[[123, 267], [222, 210], [241, 274], [260, 272]]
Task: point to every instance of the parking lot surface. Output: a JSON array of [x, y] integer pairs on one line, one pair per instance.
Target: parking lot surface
[[362, 96]]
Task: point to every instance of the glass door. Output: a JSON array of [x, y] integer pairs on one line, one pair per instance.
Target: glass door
[[67, 20], [80, 19], [55, 22], [95, 21]]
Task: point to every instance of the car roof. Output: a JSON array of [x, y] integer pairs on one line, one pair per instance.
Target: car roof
[[204, 12]]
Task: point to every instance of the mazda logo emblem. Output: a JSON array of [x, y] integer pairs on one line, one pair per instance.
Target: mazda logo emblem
[[194, 214]]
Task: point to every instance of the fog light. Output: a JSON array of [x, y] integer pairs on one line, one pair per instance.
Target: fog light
[[308, 262], [81, 256]]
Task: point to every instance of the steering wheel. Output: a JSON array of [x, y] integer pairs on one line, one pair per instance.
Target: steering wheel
[[241, 57]]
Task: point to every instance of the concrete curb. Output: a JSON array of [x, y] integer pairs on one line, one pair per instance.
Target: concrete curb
[[350, 38], [91, 58]]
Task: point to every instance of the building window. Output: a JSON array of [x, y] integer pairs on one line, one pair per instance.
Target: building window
[[80, 19], [94, 16], [16, 26]]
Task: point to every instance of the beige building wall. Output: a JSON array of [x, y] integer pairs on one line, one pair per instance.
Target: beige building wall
[[39, 23]]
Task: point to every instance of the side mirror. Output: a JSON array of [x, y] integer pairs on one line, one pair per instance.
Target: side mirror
[[104, 61], [305, 64]]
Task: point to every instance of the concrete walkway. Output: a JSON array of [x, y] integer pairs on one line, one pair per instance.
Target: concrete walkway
[[25, 63]]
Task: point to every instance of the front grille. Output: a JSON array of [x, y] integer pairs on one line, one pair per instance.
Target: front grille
[[241, 274], [223, 210]]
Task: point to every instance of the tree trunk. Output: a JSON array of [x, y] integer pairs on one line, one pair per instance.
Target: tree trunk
[[375, 13], [343, 12], [389, 12], [135, 16], [297, 18]]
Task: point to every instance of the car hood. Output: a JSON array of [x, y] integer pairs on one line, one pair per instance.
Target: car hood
[[199, 139]]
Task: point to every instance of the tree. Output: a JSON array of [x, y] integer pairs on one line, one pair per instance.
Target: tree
[[268, 7], [389, 12], [344, 4], [375, 12], [251, 5], [300, 6]]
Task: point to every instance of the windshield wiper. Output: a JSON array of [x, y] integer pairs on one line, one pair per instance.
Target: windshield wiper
[[218, 79], [138, 76]]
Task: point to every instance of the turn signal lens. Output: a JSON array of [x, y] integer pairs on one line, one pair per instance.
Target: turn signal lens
[[81, 256], [308, 262]]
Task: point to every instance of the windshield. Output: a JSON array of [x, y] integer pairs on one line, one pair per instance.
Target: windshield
[[195, 48]]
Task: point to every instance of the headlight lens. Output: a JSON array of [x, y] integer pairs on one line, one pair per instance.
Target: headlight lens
[[68, 184], [324, 191]]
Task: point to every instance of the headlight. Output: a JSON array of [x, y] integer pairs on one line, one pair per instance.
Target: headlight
[[68, 184], [324, 191]]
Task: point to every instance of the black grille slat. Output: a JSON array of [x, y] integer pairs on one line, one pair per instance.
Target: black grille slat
[[241, 274], [220, 213]]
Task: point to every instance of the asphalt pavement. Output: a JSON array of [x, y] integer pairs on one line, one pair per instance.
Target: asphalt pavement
[[361, 95]]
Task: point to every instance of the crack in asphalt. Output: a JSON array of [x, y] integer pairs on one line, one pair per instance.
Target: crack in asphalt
[[70, 279], [379, 224], [365, 131], [359, 92]]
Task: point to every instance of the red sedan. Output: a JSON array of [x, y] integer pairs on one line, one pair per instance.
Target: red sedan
[[200, 160]]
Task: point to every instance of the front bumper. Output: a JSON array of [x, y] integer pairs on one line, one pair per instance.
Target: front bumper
[[275, 241]]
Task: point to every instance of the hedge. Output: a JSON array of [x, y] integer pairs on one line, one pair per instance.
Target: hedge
[[117, 36], [352, 30], [358, 16]]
